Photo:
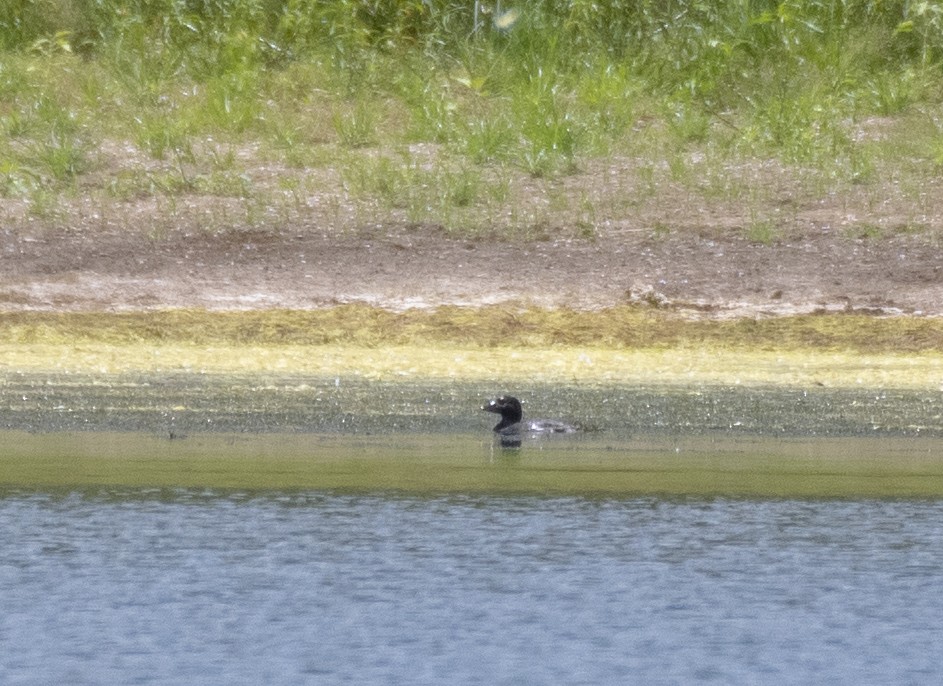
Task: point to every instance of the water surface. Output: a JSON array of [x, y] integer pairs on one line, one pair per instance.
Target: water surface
[[188, 403], [168, 529], [295, 431], [170, 586]]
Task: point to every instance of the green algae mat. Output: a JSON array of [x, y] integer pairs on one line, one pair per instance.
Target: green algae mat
[[444, 464]]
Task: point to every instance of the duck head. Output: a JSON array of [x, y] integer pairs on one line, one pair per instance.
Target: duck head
[[508, 407]]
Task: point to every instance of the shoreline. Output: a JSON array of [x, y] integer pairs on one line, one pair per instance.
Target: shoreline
[[667, 367], [623, 345]]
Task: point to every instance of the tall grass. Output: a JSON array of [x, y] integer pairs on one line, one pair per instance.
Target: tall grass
[[554, 84]]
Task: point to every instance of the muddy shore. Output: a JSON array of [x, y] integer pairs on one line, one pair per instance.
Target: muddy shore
[[714, 275]]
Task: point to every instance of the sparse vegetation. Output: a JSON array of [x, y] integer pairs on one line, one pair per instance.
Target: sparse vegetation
[[647, 327], [424, 112]]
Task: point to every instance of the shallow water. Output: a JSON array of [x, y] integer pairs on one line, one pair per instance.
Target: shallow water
[[299, 431], [593, 464], [107, 585], [187, 403]]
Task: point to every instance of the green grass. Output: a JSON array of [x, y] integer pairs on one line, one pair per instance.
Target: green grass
[[567, 87]]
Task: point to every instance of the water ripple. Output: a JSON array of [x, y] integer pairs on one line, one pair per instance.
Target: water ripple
[[291, 588]]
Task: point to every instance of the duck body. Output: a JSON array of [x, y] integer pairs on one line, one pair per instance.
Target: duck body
[[513, 423]]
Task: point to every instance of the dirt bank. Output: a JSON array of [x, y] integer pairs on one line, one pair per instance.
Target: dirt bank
[[712, 273]]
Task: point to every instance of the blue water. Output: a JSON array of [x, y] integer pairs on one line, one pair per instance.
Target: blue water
[[187, 587]]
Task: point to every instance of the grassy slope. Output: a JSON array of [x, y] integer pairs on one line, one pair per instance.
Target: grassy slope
[[261, 113]]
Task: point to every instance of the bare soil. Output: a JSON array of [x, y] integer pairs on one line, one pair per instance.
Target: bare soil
[[710, 273], [671, 248]]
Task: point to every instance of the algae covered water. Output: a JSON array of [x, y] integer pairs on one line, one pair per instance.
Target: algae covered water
[[298, 432], [109, 585], [243, 530], [177, 403]]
